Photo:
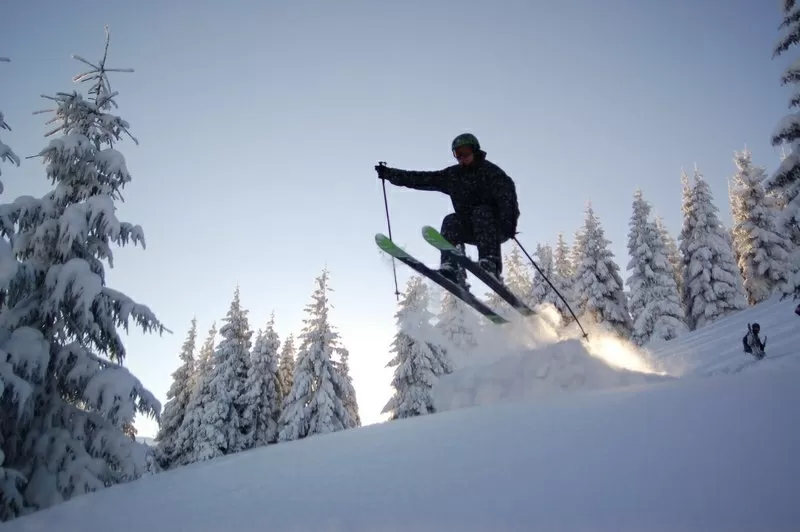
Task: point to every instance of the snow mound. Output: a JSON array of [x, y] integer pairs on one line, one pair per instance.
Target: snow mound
[[562, 367]]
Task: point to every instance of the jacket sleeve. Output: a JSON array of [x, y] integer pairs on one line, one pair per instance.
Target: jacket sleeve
[[436, 180], [505, 195]]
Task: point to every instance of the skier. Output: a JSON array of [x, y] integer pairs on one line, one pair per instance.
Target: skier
[[752, 343], [484, 201]]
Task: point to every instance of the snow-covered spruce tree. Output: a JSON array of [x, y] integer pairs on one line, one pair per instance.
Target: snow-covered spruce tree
[[518, 276], [224, 431], [459, 326], [673, 253], [785, 182], [655, 303], [713, 285], [563, 273], [542, 291], [178, 397], [186, 450], [315, 404], [63, 417], [762, 251], [286, 367], [419, 360], [349, 399], [599, 290], [261, 395]]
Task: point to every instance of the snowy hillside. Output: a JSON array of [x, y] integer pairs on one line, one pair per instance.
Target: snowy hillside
[[640, 451], [717, 348]]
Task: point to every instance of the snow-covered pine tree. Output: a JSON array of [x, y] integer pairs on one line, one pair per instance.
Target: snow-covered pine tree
[[223, 430], [315, 404], [542, 291], [563, 273], [655, 303], [518, 276], [712, 282], [673, 254], [598, 286], [71, 396], [459, 325], [286, 367], [762, 251], [186, 452], [785, 181], [349, 399], [419, 360], [261, 395], [178, 397]]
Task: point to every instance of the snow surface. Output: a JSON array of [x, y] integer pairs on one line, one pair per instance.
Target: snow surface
[[713, 448]]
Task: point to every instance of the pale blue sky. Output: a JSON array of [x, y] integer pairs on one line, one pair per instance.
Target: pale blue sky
[[260, 124]]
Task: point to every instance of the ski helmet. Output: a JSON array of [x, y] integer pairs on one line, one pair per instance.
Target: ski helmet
[[756, 328], [466, 139]]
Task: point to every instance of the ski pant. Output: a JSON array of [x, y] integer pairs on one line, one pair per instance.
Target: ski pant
[[478, 228]]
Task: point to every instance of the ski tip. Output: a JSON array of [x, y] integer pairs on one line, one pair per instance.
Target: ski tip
[[429, 230]]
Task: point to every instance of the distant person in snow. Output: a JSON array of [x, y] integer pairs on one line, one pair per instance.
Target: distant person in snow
[[752, 343], [484, 202]]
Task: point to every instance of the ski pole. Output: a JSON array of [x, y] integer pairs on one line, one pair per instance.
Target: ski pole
[[389, 226], [586, 336]]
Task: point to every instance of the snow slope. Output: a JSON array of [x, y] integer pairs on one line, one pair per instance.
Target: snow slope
[[717, 348], [715, 453]]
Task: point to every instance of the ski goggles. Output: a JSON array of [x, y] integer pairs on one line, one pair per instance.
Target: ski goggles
[[462, 152]]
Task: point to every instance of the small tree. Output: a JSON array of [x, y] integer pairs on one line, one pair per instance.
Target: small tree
[[418, 358], [655, 303], [70, 396], [458, 326], [286, 367], [178, 397], [672, 252], [518, 276], [762, 251], [349, 398], [187, 450], [712, 282], [542, 291], [563, 273], [598, 286], [316, 402], [261, 396]]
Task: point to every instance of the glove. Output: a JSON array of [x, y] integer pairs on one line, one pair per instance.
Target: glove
[[383, 170]]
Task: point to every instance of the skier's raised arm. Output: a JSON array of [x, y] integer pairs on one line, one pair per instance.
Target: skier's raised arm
[[433, 180]]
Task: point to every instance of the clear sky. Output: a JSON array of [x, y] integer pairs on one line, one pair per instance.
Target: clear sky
[[260, 123]]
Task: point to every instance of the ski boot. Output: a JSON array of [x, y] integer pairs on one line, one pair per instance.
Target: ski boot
[[492, 267], [455, 274]]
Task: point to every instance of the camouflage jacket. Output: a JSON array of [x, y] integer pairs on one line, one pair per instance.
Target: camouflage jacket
[[482, 184]]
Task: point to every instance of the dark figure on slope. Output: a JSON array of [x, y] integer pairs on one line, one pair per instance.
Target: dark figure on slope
[[752, 343], [484, 203]]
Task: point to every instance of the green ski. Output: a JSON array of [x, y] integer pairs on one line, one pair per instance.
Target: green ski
[[434, 238], [389, 247]]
